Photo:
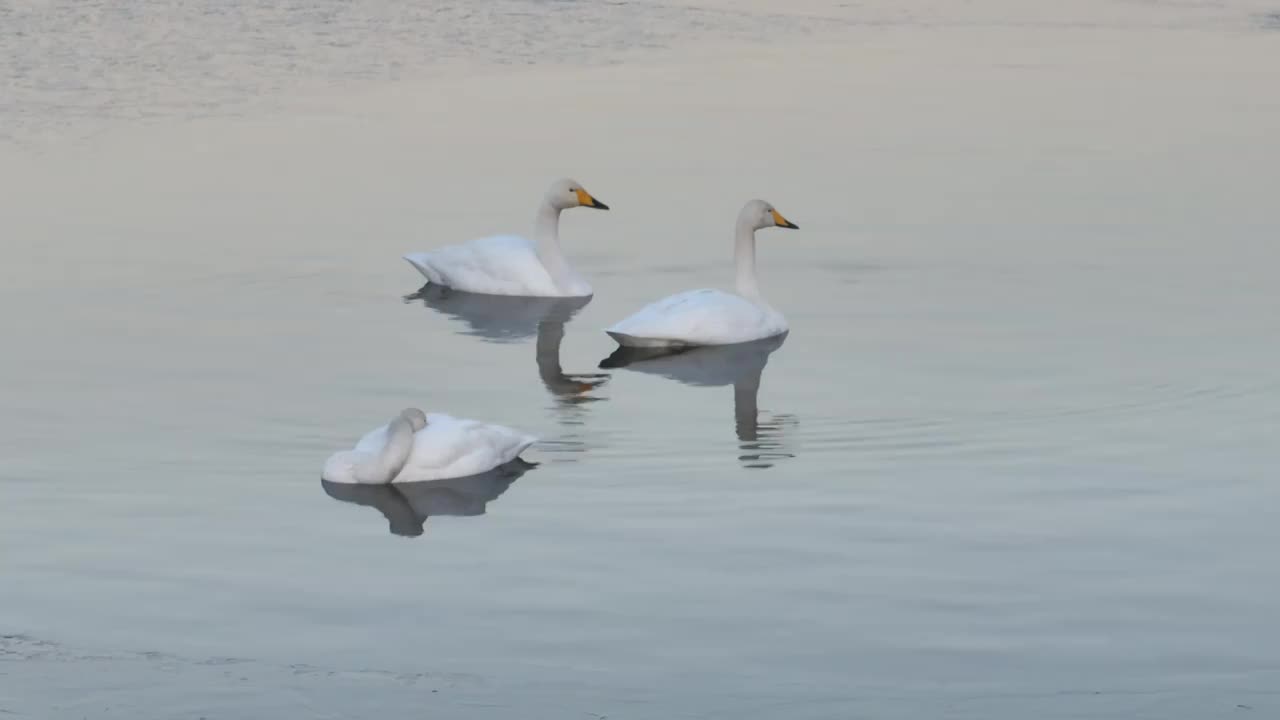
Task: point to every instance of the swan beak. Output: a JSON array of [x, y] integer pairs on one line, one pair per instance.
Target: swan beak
[[585, 200], [783, 222]]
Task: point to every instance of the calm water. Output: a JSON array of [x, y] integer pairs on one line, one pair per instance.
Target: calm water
[[1016, 457]]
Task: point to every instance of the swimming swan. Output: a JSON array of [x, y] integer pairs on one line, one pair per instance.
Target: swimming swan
[[513, 265], [415, 446], [713, 317]]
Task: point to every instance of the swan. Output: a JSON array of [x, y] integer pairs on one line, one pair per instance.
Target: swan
[[513, 265], [416, 446], [713, 317]]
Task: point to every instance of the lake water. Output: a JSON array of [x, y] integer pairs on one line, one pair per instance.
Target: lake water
[[1016, 458]]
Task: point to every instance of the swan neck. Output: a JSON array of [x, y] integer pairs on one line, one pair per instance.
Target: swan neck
[[744, 259], [395, 453], [546, 233]]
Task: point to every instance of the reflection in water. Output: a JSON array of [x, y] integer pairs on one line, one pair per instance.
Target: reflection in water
[[406, 506], [570, 389], [507, 319], [762, 442], [498, 318], [501, 318]]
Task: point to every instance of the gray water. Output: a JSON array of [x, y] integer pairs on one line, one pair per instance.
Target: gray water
[[1016, 457]]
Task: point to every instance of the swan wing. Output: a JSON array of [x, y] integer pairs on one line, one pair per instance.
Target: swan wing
[[497, 265], [699, 317], [450, 447]]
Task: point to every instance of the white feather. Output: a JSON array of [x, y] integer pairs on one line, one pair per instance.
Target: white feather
[[510, 264], [713, 317], [448, 447], [497, 265], [699, 317]]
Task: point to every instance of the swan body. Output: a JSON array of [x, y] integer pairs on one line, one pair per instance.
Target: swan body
[[497, 265], [435, 447], [514, 265], [713, 317], [699, 317]]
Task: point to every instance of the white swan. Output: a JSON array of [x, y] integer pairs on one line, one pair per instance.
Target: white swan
[[513, 265], [415, 446], [713, 317]]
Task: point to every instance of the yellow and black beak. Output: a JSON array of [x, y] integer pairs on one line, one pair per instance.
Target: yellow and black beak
[[783, 222], [585, 200]]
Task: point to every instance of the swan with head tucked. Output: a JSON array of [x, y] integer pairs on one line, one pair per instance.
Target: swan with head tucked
[[713, 317], [416, 446], [514, 265]]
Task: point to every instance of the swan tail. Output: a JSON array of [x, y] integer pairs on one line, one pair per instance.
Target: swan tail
[[525, 443], [635, 341], [421, 261]]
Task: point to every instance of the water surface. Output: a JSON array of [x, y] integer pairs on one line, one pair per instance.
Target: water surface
[[1014, 459]]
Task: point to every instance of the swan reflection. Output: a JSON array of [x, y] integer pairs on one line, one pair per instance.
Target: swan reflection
[[406, 506], [762, 441], [507, 319]]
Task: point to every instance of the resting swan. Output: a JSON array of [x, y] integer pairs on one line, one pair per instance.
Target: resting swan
[[415, 446], [513, 265], [713, 317]]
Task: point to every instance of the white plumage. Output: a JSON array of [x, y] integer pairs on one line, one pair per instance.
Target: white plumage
[[498, 265], [699, 317], [445, 447], [713, 317], [510, 264]]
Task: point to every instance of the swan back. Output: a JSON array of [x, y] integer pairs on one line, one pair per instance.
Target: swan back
[[447, 447], [698, 317], [452, 447]]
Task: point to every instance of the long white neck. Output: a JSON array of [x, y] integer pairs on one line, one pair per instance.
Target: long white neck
[[744, 259], [383, 467], [546, 233]]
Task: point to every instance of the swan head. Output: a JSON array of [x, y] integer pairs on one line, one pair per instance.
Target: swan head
[[759, 215], [415, 417], [566, 193]]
